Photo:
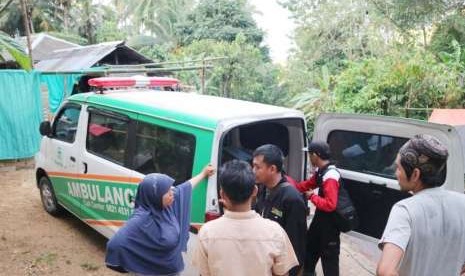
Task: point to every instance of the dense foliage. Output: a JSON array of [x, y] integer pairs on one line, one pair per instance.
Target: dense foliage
[[241, 72], [221, 20], [392, 57], [401, 79]]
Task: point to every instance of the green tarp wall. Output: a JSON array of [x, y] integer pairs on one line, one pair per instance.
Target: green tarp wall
[[21, 109]]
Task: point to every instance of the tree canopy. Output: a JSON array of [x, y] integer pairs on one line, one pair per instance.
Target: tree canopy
[[221, 20], [389, 57], [392, 57], [240, 74]]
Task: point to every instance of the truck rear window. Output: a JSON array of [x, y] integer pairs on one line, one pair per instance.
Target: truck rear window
[[365, 152]]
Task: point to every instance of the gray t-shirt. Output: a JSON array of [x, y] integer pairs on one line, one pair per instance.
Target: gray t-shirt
[[430, 229]]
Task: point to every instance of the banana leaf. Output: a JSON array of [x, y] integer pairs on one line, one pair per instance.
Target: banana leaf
[[15, 50]]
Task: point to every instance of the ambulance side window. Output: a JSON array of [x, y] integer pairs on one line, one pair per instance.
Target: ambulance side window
[[164, 150], [65, 125], [107, 137]]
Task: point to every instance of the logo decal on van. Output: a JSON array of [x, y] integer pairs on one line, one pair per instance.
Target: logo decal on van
[[58, 160], [99, 194]]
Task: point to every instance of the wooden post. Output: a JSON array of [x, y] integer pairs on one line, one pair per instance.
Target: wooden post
[[28, 31], [203, 77]]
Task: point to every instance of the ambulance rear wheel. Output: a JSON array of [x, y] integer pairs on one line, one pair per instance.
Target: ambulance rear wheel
[[47, 195]]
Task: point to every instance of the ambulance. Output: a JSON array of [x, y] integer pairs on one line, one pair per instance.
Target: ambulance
[[101, 144]]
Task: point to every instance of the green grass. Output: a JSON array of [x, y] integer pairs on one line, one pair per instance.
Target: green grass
[[46, 258], [89, 267]]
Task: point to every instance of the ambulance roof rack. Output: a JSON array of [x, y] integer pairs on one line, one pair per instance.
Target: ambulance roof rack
[[134, 81]]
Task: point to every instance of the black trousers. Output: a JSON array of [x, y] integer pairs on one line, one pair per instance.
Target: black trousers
[[323, 242]]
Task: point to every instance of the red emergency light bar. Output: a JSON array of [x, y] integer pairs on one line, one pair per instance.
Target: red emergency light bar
[[133, 82]]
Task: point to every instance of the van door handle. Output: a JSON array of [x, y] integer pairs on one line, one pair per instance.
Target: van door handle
[[72, 158], [85, 167]]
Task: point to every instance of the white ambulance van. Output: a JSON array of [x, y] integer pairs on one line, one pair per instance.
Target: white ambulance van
[[100, 145]]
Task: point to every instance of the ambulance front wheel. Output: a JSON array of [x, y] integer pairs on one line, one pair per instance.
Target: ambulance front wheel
[[47, 195]]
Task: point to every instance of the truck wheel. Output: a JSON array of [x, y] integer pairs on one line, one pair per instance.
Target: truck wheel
[[47, 195]]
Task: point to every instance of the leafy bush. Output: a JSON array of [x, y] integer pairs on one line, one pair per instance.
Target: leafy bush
[[402, 83], [451, 30], [396, 82]]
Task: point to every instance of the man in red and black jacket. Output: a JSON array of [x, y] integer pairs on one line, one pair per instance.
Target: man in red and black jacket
[[322, 236]]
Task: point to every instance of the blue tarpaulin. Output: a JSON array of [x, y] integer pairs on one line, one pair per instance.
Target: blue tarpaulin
[[20, 113], [59, 88], [21, 108]]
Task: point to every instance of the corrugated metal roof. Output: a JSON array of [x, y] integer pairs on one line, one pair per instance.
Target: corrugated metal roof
[[44, 44], [76, 58], [453, 117], [84, 57]]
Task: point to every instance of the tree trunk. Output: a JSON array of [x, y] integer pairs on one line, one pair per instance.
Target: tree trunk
[[28, 32], [407, 109], [225, 92], [29, 10], [89, 33], [424, 37], [203, 77], [65, 16]]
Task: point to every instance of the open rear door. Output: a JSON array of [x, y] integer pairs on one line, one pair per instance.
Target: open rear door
[[364, 147]]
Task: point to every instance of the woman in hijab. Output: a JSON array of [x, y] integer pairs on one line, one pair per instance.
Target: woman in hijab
[[151, 241]]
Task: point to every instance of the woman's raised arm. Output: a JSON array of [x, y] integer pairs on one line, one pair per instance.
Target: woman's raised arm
[[206, 172]]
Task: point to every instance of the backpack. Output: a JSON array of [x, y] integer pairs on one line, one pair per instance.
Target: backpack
[[345, 215]]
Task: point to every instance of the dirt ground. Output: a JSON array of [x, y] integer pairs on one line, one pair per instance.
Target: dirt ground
[[35, 243]]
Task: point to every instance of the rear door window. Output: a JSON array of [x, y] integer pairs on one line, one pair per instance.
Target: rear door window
[[373, 155], [365, 152]]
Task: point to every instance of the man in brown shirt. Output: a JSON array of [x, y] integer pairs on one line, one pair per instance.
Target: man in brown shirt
[[241, 242]]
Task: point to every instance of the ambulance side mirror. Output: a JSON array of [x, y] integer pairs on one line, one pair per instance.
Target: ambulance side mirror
[[45, 128]]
